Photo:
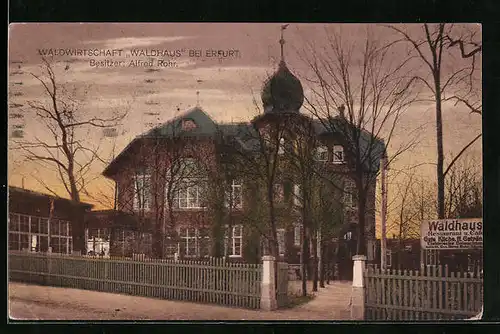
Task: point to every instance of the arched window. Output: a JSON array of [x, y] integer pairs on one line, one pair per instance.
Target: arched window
[[188, 124]]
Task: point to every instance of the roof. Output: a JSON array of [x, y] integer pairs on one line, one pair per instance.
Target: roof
[[205, 125], [28, 192], [243, 134], [282, 92], [114, 219], [367, 141]]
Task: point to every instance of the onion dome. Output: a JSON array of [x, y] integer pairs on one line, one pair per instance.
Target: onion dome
[[282, 92]]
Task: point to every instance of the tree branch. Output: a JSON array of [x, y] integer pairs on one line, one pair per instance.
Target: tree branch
[[460, 153]]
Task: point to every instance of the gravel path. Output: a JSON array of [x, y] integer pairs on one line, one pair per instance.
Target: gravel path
[[32, 302]]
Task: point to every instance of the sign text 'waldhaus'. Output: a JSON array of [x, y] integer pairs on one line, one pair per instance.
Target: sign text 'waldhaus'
[[452, 234]]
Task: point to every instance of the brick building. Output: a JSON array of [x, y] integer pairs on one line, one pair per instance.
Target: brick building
[[189, 185]]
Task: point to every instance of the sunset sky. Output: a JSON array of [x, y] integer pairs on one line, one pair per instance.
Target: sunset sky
[[227, 87]]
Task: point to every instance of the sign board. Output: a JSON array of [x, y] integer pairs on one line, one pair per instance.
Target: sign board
[[443, 234]]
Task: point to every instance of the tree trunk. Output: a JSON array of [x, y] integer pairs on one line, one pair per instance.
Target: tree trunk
[[321, 265], [315, 262], [304, 262], [328, 262], [440, 153], [361, 242]]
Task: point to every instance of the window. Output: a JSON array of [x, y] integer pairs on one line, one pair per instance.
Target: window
[[297, 234], [13, 222], [188, 124], [14, 241], [321, 153], [235, 195], [350, 198], [348, 235], [34, 243], [44, 226], [146, 244], [24, 223], [142, 192], [54, 226], [297, 195], [281, 241], [190, 196], [24, 242], [44, 243], [278, 193], [35, 225], [236, 242], [171, 247], [30, 232], [281, 147], [338, 154], [189, 242], [194, 243], [63, 228], [204, 242]]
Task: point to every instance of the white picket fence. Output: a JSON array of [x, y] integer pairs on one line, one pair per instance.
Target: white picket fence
[[215, 281]]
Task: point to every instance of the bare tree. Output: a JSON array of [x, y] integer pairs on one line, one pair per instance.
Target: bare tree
[[463, 196], [436, 50], [64, 148], [181, 163], [316, 202], [360, 101], [260, 163]]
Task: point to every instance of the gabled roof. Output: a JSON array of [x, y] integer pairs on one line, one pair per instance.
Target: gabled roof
[[242, 133], [205, 126]]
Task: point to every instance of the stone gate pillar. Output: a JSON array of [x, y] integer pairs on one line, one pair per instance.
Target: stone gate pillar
[[268, 287], [358, 288]]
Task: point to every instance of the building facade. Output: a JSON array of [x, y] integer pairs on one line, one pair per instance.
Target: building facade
[[198, 188], [40, 223]]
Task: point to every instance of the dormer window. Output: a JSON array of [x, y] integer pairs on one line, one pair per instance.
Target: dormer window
[[321, 154], [188, 124], [338, 154]]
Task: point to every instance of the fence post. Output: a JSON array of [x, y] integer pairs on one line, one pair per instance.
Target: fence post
[[268, 287], [358, 288]]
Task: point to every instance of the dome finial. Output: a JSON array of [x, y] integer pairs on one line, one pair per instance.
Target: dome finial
[[282, 41]]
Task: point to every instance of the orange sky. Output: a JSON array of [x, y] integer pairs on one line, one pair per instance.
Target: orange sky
[[227, 87]]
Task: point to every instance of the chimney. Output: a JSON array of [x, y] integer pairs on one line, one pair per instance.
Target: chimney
[[342, 111]]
